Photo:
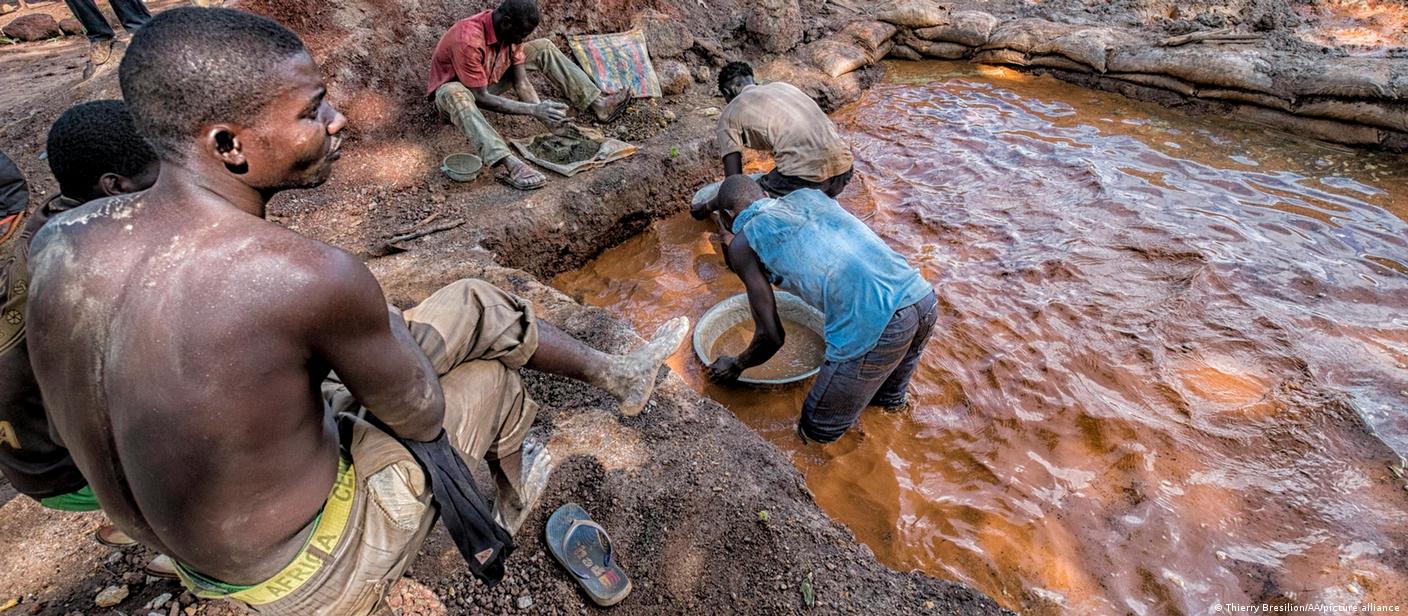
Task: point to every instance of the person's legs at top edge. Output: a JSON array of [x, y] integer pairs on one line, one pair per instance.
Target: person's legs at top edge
[[477, 337], [584, 95], [132, 14], [893, 394], [843, 389], [87, 13]]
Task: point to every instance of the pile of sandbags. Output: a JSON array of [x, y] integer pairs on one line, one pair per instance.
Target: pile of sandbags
[[1348, 100], [856, 46]]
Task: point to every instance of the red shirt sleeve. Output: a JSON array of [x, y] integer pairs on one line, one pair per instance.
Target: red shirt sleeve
[[468, 59]]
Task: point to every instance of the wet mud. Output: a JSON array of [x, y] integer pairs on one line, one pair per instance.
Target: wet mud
[[1169, 368], [564, 150], [802, 350]]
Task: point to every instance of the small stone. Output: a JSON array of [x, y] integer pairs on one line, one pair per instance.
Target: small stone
[[33, 27], [710, 112], [111, 596], [133, 577], [702, 74], [525, 602], [159, 602], [186, 598], [674, 76], [668, 115], [71, 26]]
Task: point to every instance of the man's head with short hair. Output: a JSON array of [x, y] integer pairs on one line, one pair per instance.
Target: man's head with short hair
[[733, 78], [514, 20], [94, 151], [225, 91], [737, 193], [192, 67]]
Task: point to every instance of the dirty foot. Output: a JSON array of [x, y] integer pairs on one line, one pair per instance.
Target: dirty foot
[[110, 536], [510, 510], [631, 378], [609, 107], [519, 174], [161, 566]]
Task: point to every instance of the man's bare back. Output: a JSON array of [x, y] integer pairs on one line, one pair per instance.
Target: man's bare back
[[191, 335]]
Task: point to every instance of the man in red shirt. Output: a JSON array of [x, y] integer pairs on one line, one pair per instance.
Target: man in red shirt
[[467, 74]]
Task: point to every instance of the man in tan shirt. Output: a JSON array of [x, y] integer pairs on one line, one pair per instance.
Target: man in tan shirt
[[780, 119]]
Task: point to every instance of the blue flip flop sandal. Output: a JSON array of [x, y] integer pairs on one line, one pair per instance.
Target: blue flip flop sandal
[[584, 549]]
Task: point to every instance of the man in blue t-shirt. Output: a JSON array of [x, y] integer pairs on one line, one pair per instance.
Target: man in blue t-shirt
[[879, 310]]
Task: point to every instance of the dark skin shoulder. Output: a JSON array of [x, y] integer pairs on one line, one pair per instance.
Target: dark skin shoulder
[[768, 334]]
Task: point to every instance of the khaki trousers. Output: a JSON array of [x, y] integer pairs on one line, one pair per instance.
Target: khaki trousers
[[457, 103], [477, 337]]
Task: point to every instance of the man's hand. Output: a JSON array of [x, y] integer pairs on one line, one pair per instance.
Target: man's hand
[[552, 113], [725, 369]]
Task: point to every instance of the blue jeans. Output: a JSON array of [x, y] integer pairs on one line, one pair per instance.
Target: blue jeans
[[880, 377]]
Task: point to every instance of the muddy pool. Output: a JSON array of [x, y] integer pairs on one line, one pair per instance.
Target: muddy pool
[[1171, 366]]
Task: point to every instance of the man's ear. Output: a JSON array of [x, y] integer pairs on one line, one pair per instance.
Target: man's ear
[[112, 184], [223, 142]]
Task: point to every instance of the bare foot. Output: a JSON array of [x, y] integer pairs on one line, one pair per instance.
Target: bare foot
[[161, 566], [510, 510], [631, 378], [110, 536], [609, 106]]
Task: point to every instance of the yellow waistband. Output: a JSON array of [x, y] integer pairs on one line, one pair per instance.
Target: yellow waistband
[[316, 554]]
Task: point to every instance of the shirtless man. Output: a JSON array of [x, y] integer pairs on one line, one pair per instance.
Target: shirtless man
[[186, 341], [94, 152]]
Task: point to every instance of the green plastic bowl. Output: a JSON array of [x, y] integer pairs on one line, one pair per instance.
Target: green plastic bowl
[[462, 167]]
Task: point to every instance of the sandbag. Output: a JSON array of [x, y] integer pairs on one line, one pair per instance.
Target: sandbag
[[1243, 96], [941, 51], [879, 54], [1057, 61], [1091, 46], [913, 13], [905, 52], [1327, 130], [1162, 82], [1028, 35], [871, 35], [1226, 68], [1001, 56], [1353, 78], [1386, 115], [971, 28], [836, 58]]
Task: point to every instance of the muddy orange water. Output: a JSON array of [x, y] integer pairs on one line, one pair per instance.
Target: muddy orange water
[[1171, 366]]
